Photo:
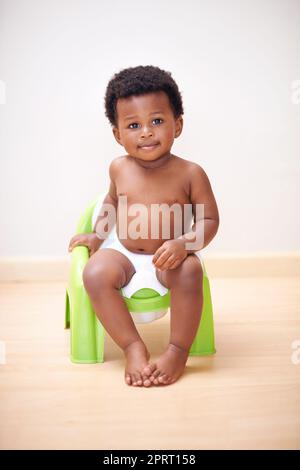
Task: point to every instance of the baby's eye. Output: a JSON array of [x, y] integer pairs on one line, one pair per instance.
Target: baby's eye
[[133, 124], [158, 119]]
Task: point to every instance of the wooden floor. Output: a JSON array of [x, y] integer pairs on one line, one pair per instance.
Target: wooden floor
[[247, 396]]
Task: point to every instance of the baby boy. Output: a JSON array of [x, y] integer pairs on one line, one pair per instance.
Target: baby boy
[[144, 107]]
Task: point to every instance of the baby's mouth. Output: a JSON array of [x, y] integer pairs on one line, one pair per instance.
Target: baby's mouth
[[148, 147]]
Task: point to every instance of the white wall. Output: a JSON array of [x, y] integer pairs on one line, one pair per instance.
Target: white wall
[[234, 62]]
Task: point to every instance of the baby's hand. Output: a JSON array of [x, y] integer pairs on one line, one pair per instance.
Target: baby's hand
[[170, 254], [86, 239]]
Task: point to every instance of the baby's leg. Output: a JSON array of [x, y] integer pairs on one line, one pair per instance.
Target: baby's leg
[[185, 283], [104, 274]]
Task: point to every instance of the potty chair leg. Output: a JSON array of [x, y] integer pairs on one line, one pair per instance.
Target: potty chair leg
[[204, 342], [87, 333]]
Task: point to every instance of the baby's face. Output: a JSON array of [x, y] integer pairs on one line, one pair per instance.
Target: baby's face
[[146, 120]]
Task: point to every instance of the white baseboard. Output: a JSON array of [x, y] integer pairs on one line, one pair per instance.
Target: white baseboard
[[284, 264], [34, 269], [18, 269]]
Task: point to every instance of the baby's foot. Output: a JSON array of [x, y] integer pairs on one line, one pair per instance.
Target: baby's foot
[[168, 367], [137, 358]]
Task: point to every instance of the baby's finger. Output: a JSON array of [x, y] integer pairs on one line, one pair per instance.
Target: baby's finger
[[160, 263], [175, 264], [71, 246], [165, 263], [73, 239], [75, 243], [157, 254], [169, 262]]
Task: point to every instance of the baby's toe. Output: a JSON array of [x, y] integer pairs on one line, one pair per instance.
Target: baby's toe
[[146, 382], [163, 379], [139, 379], [149, 369], [128, 379], [134, 380], [154, 376]]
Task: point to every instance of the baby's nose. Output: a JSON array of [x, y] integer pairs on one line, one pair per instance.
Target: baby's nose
[[146, 132]]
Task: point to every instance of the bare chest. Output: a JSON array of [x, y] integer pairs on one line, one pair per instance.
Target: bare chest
[[147, 189]]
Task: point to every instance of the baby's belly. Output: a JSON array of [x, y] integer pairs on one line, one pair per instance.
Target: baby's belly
[[146, 229], [142, 246]]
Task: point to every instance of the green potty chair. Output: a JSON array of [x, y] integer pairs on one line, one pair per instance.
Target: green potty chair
[[145, 305]]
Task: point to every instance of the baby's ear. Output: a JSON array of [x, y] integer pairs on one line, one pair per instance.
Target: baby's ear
[[117, 135], [178, 126]]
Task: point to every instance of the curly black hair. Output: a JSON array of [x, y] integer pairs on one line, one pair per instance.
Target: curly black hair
[[140, 80]]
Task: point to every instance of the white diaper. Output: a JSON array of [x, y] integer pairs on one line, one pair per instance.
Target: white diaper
[[145, 275], [145, 272]]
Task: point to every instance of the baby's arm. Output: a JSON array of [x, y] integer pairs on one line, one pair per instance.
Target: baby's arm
[[205, 211], [93, 240], [109, 206]]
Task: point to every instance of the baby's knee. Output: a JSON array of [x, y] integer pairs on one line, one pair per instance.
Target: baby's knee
[[97, 277], [91, 275], [191, 272]]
